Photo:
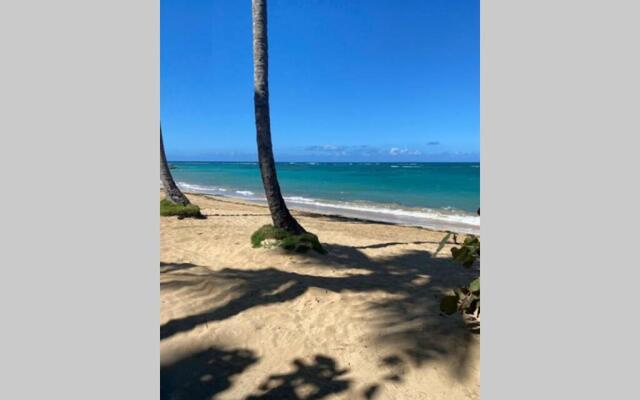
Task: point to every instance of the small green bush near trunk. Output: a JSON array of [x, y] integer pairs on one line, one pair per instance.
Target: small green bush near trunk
[[168, 209], [297, 243]]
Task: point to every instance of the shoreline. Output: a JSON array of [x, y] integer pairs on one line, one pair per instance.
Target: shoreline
[[364, 215]]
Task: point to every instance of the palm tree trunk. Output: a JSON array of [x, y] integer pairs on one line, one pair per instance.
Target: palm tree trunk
[[280, 214], [171, 191]]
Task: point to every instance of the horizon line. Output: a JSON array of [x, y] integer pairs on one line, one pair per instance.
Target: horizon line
[[331, 162]]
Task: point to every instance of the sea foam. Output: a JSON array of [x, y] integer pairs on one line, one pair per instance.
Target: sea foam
[[447, 218]]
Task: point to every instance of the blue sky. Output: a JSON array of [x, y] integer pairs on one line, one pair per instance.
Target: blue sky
[[357, 80]]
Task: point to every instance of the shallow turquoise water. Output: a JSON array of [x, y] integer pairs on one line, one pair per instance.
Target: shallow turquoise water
[[448, 190]]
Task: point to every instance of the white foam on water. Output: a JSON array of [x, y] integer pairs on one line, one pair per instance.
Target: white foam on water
[[426, 214], [447, 218], [191, 187]]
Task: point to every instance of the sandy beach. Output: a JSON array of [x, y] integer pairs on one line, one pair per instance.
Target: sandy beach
[[361, 322]]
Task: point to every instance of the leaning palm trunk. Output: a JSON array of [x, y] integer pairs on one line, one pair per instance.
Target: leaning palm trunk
[[280, 214], [172, 193]]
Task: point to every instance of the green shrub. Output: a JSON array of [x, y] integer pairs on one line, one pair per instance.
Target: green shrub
[[468, 253], [298, 243], [168, 209], [465, 300]]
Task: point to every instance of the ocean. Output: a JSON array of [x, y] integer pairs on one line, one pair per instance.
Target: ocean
[[442, 196]]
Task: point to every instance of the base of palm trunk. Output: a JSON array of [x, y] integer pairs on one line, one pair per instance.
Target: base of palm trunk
[[176, 197], [270, 236], [289, 224], [170, 209]]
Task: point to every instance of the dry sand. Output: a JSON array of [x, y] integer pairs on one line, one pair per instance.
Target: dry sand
[[361, 322]]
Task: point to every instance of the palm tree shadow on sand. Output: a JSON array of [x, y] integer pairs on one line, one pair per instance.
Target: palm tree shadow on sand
[[409, 323], [311, 381], [204, 374]]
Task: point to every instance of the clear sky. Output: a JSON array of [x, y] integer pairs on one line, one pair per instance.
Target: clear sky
[[357, 80]]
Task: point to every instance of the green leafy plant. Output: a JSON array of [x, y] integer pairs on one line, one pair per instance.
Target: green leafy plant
[[168, 209], [297, 243], [465, 300], [468, 253], [444, 241]]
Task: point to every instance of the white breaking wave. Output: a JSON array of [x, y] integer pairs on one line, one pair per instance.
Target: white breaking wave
[[424, 214], [191, 187], [447, 218], [299, 199], [195, 188]]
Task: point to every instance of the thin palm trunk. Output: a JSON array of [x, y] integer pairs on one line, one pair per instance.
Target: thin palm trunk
[[172, 193], [280, 214]]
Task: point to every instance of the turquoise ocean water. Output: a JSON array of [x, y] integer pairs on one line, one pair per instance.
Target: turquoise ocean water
[[435, 195]]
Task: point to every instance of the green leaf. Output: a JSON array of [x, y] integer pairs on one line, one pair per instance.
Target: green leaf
[[474, 286], [468, 253], [443, 242], [468, 261], [449, 304]]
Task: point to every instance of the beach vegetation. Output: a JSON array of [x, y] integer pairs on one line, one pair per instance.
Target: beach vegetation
[[300, 243], [169, 209], [464, 300]]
